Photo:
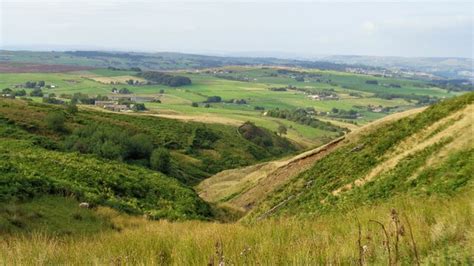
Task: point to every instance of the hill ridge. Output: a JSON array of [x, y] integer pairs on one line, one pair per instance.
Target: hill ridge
[[382, 164]]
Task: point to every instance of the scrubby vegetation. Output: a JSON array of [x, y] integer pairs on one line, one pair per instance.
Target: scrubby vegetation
[[265, 139], [207, 149], [29, 171]]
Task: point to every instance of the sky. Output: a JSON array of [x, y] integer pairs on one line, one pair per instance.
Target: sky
[[259, 27]]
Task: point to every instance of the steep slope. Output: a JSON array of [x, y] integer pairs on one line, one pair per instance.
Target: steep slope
[[28, 172], [430, 153], [242, 189]]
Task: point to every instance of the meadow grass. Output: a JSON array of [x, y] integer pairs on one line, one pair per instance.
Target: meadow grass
[[443, 232]]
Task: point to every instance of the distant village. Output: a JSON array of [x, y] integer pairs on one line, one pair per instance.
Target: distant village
[[390, 73]]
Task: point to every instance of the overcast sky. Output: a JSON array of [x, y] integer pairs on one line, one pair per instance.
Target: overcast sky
[[428, 28]]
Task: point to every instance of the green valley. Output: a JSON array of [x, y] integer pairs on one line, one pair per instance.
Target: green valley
[[176, 159]]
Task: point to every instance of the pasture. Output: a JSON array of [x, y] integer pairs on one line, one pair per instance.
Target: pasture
[[252, 85]]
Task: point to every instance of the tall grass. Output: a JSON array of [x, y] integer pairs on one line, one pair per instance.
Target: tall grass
[[443, 231]]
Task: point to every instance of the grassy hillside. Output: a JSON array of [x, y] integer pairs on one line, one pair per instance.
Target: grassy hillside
[[428, 154], [442, 232], [109, 159], [52, 215], [398, 192], [239, 190], [28, 172]]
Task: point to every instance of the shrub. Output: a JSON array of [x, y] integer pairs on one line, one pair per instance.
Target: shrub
[[71, 108], [140, 146], [36, 93], [160, 160], [55, 121], [138, 107], [214, 99]]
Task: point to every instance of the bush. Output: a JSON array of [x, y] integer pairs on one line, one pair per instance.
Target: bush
[[71, 108], [203, 138], [214, 99], [55, 121], [160, 160], [124, 91], [36, 93], [140, 146], [138, 107]]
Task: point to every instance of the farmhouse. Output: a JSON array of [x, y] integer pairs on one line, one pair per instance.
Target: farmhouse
[[112, 106], [317, 97], [116, 107], [104, 103], [375, 109]]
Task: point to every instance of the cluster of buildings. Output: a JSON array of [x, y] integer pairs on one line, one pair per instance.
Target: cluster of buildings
[[112, 106], [375, 108], [391, 73], [320, 97]]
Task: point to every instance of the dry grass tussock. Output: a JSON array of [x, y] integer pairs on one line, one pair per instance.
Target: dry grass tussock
[[443, 232]]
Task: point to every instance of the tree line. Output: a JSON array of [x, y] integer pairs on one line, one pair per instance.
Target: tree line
[[304, 117], [165, 79]]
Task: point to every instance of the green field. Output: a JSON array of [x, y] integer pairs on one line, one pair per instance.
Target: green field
[[252, 85]]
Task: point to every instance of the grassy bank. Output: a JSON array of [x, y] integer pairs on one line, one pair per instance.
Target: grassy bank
[[443, 232]]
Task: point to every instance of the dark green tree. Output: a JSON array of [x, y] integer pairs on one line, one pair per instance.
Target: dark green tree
[[140, 146], [36, 93]]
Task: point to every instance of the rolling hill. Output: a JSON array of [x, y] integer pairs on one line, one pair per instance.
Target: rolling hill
[[106, 159], [422, 155], [398, 191], [244, 188]]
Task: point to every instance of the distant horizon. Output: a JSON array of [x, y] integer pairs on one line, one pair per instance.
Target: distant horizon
[[251, 54], [306, 29]]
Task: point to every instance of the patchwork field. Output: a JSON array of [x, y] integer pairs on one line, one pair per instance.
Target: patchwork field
[[246, 93]]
